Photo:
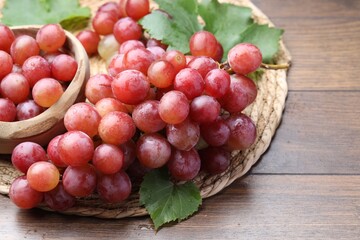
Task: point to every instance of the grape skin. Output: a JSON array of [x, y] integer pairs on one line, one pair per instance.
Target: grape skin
[[22, 195]]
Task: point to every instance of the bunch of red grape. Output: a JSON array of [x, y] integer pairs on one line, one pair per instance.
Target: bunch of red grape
[[155, 108], [34, 72]]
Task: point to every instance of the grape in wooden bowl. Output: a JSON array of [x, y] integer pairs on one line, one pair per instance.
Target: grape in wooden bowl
[[43, 127]]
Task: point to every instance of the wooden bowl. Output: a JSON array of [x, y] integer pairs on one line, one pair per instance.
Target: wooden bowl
[[42, 128]]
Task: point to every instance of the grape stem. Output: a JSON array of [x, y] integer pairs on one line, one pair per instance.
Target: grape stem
[[226, 66]]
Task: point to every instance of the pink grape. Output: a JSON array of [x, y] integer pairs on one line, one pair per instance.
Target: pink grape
[[174, 107], [137, 9], [106, 105], [203, 65], [215, 133], [112, 7], [153, 150], [98, 87], [108, 158], [114, 188], [7, 37], [58, 199], [64, 67], [90, 41], [53, 152], [138, 59], [47, 91], [36, 68], [75, 148], [146, 116], [7, 110], [79, 181], [103, 22], [190, 82], [204, 109], [161, 74], [217, 83], [184, 136], [6, 63], [127, 29], [244, 58], [50, 37], [203, 43], [15, 87], [184, 165], [22, 48], [157, 52], [22, 195], [242, 132], [116, 65], [129, 45], [28, 109], [27, 153], [214, 160], [176, 58], [43, 176]]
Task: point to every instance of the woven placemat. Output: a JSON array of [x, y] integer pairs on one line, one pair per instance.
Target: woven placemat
[[266, 112]]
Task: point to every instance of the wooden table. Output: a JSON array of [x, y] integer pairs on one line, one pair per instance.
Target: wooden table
[[306, 186]]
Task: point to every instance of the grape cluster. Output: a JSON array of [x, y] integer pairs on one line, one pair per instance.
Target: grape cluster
[[155, 108], [34, 72]]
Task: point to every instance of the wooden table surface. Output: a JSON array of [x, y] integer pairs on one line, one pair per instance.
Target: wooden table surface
[[306, 186]]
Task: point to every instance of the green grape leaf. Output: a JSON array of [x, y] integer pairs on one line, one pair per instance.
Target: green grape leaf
[[175, 24], [66, 12], [166, 201]]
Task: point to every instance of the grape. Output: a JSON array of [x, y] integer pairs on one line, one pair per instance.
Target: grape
[[53, 153], [50, 37], [98, 87], [15, 87], [79, 181], [176, 58], [241, 94], [153, 150], [36, 68], [116, 128], [43, 176], [108, 158], [204, 109], [161, 74], [22, 48], [242, 131], [28, 109], [7, 37], [146, 116], [7, 110], [6, 63], [214, 160], [219, 52], [129, 150], [106, 105], [127, 29], [184, 135], [58, 199], [108, 46], [217, 83], [83, 117], [116, 65], [184, 165], [27, 153], [122, 8], [90, 41], [112, 7], [46, 92], [114, 188], [138, 59], [64, 67], [130, 87], [22, 195], [137, 9], [244, 58], [174, 107], [157, 52], [203, 43], [129, 45], [152, 42], [190, 82], [104, 22], [75, 148], [215, 133], [203, 65]]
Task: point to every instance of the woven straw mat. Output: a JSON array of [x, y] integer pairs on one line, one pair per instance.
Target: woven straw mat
[[266, 112]]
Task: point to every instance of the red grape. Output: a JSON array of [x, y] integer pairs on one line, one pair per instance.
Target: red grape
[[47, 91], [244, 58], [217, 83], [242, 132], [28, 109], [146, 116], [64, 67], [27, 153], [90, 41], [79, 181], [53, 153], [15, 87], [6, 64], [106, 105], [174, 107], [7, 110], [7, 37], [190, 82], [116, 65], [108, 158], [22, 195], [58, 199], [184, 165], [215, 133], [214, 160], [104, 22], [138, 59], [161, 74], [22, 48], [203, 43], [137, 9], [129, 45], [50, 37], [127, 29], [36, 68], [43, 176], [204, 109], [176, 58], [114, 188], [98, 87], [203, 65]]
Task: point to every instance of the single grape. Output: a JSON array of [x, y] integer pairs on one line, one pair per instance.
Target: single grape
[[90, 41], [241, 94], [58, 199], [106, 105], [214, 160], [75, 148], [22, 195], [184, 135], [53, 152], [47, 91], [137, 9], [174, 107], [15, 87], [64, 67], [83, 117], [79, 181], [219, 53], [129, 45], [114, 188], [116, 65], [27, 153], [203, 65], [217, 83], [43, 176], [98, 87], [153, 150], [7, 110], [138, 59], [22, 48], [36, 68], [6, 63], [130, 87], [157, 52], [108, 158], [190, 82], [112, 7], [146, 116], [244, 58], [215, 133], [7, 37], [127, 29], [104, 22], [50, 37], [184, 165], [204, 109], [176, 58], [161, 74], [28, 109], [242, 132], [203, 43], [116, 128]]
